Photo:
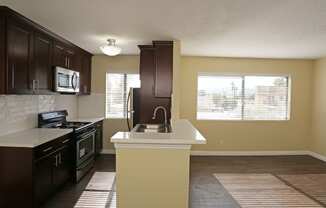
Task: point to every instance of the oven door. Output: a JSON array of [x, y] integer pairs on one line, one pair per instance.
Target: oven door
[[85, 146], [66, 80]]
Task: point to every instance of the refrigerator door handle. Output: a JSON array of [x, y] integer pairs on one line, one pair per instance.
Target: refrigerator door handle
[[128, 110]]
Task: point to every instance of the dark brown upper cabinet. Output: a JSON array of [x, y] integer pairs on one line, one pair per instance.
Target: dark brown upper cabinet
[[42, 63], [29, 53], [154, 78], [71, 56], [163, 68], [2, 54], [59, 55], [63, 56], [19, 56], [85, 74]]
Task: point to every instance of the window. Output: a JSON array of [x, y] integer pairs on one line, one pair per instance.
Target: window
[[117, 89], [243, 97]]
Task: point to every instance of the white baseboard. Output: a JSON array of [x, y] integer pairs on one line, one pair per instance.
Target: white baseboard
[[244, 153], [318, 156], [247, 153]]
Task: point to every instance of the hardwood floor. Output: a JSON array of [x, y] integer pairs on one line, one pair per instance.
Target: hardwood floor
[[205, 191]]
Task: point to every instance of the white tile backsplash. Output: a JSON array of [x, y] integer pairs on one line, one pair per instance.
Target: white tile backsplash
[[46, 103], [91, 106], [2, 108], [69, 103], [19, 112]]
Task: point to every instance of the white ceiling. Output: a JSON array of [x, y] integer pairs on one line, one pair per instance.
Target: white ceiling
[[227, 28]]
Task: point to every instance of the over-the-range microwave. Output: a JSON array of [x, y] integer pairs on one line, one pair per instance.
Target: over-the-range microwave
[[66, 80]]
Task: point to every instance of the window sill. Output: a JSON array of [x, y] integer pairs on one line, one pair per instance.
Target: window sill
[[245, 121]]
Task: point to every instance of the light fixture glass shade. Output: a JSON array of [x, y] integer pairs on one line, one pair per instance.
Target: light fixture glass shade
[[110, 49]]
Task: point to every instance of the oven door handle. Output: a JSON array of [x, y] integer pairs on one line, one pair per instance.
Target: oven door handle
[[85, 135], [84, 165]]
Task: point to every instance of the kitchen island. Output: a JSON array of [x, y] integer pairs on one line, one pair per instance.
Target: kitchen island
[[153, 168]]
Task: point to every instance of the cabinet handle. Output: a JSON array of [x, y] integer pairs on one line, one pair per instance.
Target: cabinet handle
[[68, 63], [38, 86], [59, 158], [34, 85], [48, 149], [85, 89], [65, 141], [56, 160], [13, 76]]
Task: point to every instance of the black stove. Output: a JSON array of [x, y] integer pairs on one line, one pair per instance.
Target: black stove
[[84, 138], [71, 125], [58, 119]]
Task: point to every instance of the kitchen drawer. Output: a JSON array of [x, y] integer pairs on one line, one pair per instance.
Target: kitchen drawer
[[52, 146]]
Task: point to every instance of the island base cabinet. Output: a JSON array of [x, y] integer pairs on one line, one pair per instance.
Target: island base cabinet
[[148, 178]]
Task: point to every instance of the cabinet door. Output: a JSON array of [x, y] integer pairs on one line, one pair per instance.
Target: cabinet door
[[163, 69], [99, 138], [86, 75], [2, 55], [42, 62], [43, 178], [70, 56], [59, 55], [77, 62], [62, 172], [19, 48]]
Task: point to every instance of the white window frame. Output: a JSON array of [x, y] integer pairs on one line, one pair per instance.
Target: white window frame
[[125, 95], [243, 75]]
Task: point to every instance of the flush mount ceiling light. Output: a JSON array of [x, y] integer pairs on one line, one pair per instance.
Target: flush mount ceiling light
[[110, 49]]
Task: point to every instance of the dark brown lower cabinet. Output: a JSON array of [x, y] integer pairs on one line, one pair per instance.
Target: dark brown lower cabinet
[[62, 171], [99, 138], [29, 176], [43, 178], [52, 172]]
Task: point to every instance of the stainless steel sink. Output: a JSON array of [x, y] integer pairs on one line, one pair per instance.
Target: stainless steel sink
[[152, 128]]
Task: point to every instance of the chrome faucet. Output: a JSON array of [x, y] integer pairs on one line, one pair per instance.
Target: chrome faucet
[[165, 115]]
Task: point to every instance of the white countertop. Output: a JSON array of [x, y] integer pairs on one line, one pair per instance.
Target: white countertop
[[32, 137], [183, 132], [92, 120]]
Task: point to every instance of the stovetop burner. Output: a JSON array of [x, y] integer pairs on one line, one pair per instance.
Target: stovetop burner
[[71, 125]]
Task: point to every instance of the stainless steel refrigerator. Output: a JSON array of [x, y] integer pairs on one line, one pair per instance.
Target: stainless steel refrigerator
[[133, 107]]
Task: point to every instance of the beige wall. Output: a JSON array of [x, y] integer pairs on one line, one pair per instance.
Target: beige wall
[[175, 109], [251, 135], [94, 105], [319, 108], [222, 135]]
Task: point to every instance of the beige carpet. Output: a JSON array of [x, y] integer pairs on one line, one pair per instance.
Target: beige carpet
[[313, 185], [263, 190]]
